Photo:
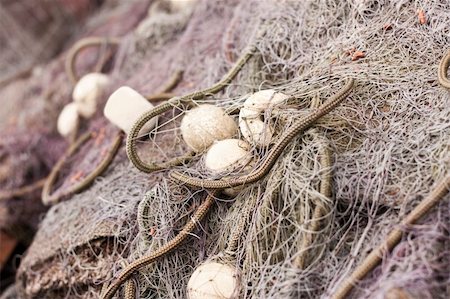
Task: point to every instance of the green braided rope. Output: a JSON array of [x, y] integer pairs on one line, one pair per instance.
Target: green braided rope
[[48, 198]]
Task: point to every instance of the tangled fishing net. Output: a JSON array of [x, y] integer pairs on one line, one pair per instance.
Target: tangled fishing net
[[389, 143], [29, 143]]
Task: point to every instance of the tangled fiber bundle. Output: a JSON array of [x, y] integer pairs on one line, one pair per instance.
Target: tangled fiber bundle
[[29, 143], [417, 266], [389, 144], [88, 230], [25, 43], [24, 162]]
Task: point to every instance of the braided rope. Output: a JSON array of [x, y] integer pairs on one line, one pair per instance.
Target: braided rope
[[80, 45], [173, 103], [48, 198], [276, 151], [164, 250]]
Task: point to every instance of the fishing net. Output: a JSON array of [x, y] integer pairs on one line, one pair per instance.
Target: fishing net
[[29, 144], [388, 143], [32, 100], [23, 44]]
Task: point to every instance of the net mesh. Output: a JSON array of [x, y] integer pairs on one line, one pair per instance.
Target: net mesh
[[389, 144]]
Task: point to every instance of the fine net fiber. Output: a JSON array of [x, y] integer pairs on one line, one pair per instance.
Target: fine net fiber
[[387, 142]]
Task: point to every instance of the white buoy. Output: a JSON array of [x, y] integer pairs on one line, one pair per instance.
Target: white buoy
[[213, 280], [87, 92], [68, 120], [227, 155], [203, 125], [125, 106], [251, 124]]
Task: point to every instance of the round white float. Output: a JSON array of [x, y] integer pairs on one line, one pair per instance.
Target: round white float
[[253, 128], [227, 155], [213, 280], [68, 120], [87, 91], [203, 125]]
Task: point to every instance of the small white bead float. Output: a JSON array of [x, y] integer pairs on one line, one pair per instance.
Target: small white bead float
[[125, 106], [253, 128], [87, 91], [203, 125], [213, 280], [68, 120], [227, 155]]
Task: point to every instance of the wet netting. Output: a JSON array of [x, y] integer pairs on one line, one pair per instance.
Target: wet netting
[[332, 196]]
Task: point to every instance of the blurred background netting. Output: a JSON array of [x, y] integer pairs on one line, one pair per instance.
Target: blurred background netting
[[34, 39]]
